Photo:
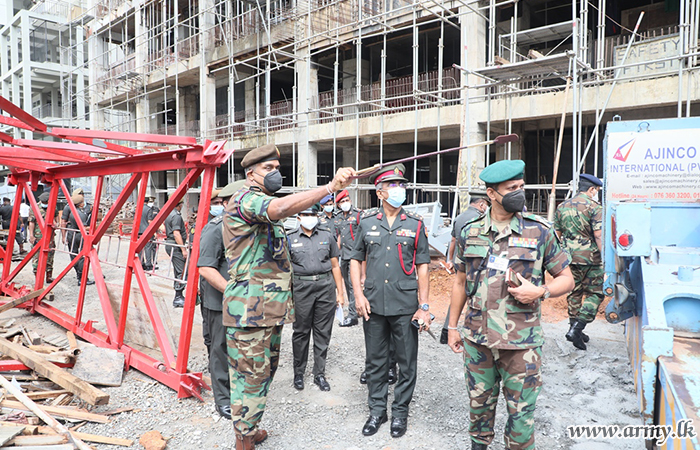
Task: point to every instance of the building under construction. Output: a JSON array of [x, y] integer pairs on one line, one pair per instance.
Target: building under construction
[[358, 82]]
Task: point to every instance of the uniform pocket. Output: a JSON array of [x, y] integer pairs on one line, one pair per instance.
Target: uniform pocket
[[408, 285]]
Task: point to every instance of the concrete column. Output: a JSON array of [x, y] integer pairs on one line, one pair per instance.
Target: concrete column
[[349, 68], [307, 94], [471, 161], [143, 110], [249, 99], [26, 68], [307, 164], [207, 82], [143, 115], [80, 77]]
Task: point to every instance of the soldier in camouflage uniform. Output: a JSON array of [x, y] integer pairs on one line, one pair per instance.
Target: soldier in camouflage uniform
[[257, 298], [500, 262], [579, 221], [35, 236]]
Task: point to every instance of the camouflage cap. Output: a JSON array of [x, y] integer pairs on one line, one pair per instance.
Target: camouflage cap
[[231, 188], [501, 171], [267, 152], [44, 197], [392, 172]]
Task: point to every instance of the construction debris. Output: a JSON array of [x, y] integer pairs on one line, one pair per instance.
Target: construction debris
[[153, 440], [99, 365]]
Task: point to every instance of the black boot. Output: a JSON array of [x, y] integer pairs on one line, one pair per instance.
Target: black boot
[[574, 335], [179, 300], [583, 335], [479, 446]]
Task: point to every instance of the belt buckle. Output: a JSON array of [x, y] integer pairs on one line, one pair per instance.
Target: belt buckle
[[315, 277]]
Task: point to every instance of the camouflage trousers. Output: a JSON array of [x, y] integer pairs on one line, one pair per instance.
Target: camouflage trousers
[[49, 261], [519, 370], [253, 356], [587, 295]]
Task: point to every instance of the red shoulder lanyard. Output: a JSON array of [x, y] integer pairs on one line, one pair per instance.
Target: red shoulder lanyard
[[357, 222], [415, 246]]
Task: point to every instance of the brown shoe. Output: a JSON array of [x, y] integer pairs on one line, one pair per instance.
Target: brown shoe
[[259, 436], [245, 442]]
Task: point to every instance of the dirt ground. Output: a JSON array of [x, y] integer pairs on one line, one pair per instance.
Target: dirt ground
[[592, 387]]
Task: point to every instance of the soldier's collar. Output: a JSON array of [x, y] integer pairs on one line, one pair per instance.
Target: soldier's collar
[[516, 223]]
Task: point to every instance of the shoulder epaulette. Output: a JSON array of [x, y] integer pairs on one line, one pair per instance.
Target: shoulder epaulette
[[413, 215], [537, 218], [479, 217], [218, 219], [369, 213]]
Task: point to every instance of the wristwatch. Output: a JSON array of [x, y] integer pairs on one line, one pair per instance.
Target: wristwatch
[[424, 307], [546, 294]]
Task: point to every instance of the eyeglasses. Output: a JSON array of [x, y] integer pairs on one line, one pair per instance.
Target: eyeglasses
[[394, 184]]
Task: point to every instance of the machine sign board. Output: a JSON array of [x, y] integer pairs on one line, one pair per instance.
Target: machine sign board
[[661, 165]]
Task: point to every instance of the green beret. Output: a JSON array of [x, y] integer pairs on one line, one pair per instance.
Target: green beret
[[393, 172], [267, 152], [44, 197], [501, 171], [231, 188]]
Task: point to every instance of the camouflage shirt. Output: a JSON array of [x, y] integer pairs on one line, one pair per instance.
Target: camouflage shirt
[[577, 219], [493, 317], [259, 291]]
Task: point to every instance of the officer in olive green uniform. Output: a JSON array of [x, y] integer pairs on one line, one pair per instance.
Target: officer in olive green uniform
[[394, 245], [257, 298], [314, 255], [579, 222], [213, 271], [175, 235], [501, 262], [35, 236], [346, 222], [71, 234]]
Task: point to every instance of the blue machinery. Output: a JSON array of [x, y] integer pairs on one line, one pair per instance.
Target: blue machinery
[[652, 262]]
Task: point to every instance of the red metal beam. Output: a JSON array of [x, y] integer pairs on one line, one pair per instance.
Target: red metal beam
[[122, 136], [16, 111], [26, 153], [171, 369]]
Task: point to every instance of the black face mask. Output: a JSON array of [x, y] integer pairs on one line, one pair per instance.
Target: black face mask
[[273, 181], [513, 202]]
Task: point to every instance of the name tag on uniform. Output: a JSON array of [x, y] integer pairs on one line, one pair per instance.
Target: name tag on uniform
[[298, 245], [373, 233], [522, 242], [476, 241], [323, 243], [405, 233], [497, 263]]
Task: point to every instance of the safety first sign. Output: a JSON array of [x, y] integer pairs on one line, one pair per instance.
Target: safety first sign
[[661, 165]]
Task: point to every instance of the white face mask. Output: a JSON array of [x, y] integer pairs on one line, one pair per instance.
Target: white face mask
[[308, 222], [150, 204], [345, 207]]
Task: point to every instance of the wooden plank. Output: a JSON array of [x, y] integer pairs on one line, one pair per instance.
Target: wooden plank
[[44, 348], [72, 341], [9, 433], [39, 439], [98, 365], [87, 437], [59, 411], [138, 329], [20, 300], [43, 395], [41, 447], [44, 368], [42, 414]]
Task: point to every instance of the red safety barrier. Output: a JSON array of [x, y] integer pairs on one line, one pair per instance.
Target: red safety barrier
[[88, 153]]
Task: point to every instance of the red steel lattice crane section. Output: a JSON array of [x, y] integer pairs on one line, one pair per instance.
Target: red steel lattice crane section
[[89, 153]]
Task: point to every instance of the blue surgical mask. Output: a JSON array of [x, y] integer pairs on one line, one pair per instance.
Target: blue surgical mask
[[397, 196], [215, 210], [45, 205], [328, 208]]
